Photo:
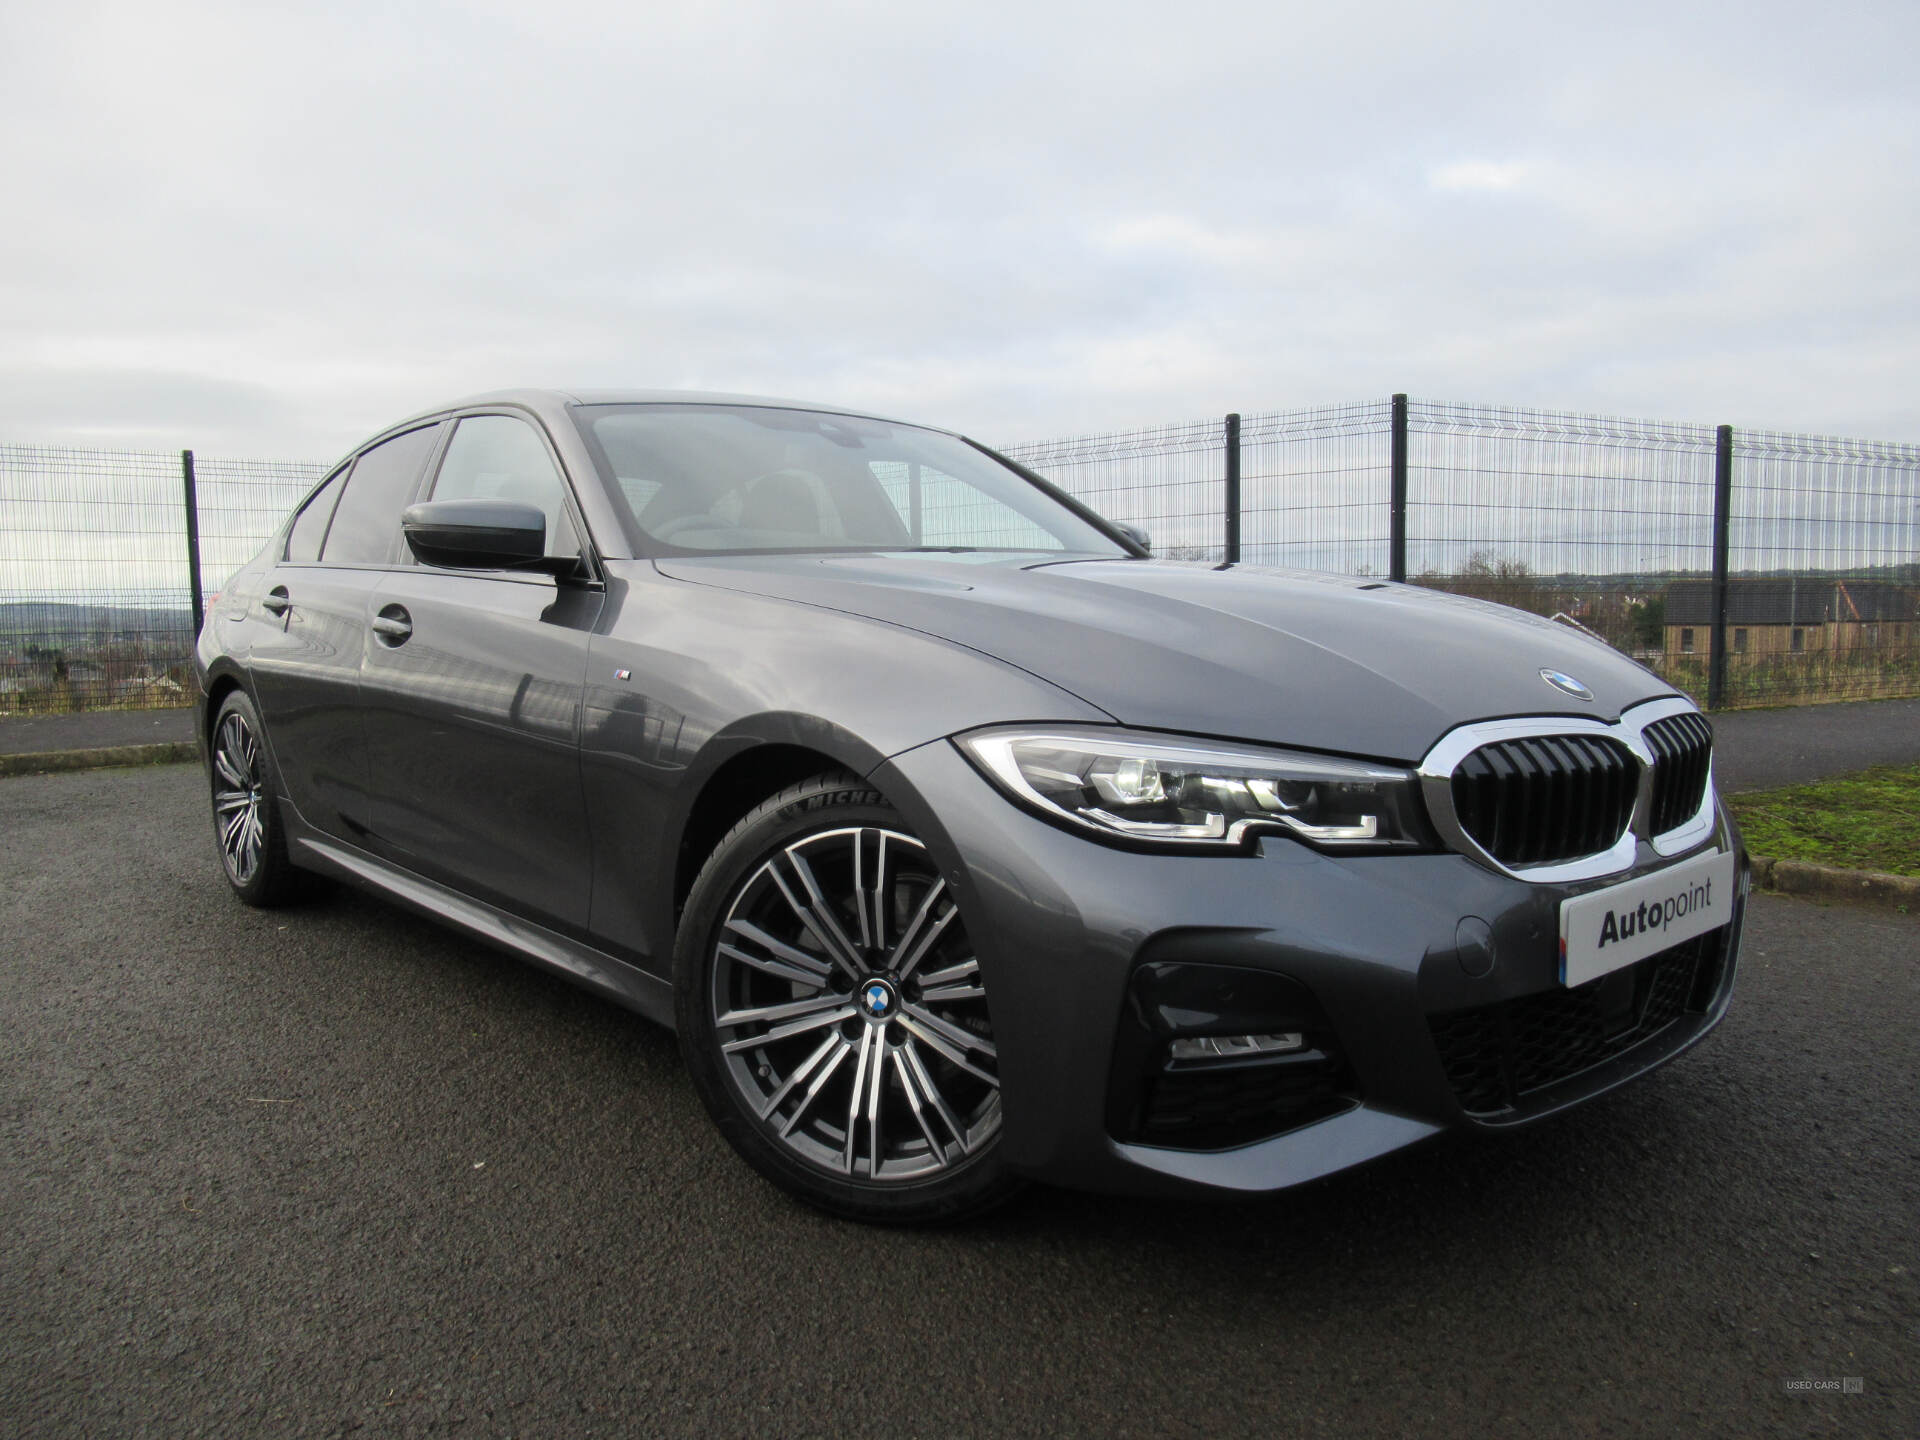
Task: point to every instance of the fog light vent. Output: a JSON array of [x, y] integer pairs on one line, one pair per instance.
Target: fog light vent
[[1234, 1047], [1210, 1057]]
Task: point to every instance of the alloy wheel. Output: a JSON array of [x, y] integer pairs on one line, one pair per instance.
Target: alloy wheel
[[850, 1012], [239, 790]]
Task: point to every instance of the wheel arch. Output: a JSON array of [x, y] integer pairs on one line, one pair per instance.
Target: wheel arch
[[744, 765], [219, 685]]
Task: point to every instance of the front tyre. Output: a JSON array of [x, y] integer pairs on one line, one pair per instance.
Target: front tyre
[[833, 1013], [246, 821]]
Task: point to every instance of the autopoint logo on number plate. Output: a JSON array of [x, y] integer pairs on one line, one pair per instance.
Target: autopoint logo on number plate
[[1606, 929]]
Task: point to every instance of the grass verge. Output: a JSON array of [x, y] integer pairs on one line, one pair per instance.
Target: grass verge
[[1866, 821]]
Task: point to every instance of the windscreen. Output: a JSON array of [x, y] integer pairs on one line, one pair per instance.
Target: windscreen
[[730, 478]]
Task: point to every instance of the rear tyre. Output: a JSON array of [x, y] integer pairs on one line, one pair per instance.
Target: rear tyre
[[833, 1014], [246, 819]]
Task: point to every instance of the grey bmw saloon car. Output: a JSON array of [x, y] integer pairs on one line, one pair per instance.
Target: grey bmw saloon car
[[960, 840]]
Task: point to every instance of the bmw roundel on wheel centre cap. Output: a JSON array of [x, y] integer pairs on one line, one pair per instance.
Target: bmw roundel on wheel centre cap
[[876, 999]]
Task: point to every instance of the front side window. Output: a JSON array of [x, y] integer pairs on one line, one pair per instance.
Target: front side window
[[499, 457], [366, 523], [719, 478]]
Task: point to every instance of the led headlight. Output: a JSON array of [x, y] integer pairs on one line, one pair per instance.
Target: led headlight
[[1150, 790]]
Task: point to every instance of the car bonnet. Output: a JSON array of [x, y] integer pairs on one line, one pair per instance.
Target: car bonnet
[[1288, 657]]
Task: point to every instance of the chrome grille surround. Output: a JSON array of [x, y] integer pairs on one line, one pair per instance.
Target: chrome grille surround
[[1436, 781]]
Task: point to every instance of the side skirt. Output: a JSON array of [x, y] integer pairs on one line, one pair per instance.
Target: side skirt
[[586, 966]]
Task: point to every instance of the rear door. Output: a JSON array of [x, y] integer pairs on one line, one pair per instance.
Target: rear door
[[471, 697], [309, 628]]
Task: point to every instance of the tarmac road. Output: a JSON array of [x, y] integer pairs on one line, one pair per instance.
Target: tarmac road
[[93, 729], [334, 1171], [1760, 749]]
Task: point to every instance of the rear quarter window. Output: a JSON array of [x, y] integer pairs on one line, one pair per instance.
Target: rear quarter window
[[310, 525]]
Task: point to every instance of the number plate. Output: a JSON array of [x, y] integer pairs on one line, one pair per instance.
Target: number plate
[[1606, 929]]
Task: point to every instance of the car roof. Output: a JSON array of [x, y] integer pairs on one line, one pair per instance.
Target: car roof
[[546, 401]]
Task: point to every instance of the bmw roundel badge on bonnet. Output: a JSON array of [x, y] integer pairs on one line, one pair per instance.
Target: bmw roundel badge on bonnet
[[1564, 682]]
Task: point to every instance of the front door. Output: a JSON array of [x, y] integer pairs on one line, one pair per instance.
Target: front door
[[471, 697]]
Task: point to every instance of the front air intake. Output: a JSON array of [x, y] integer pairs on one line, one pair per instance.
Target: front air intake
[[1498, 1055]]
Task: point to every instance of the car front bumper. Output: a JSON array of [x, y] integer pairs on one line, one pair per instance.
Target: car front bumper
[[1427, 1023]]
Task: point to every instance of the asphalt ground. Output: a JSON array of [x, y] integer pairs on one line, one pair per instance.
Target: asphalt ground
[[1762, 749], [93, 730], [334, 1170]]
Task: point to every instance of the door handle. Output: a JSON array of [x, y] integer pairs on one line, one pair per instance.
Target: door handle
[[393, 625], [276, 601]]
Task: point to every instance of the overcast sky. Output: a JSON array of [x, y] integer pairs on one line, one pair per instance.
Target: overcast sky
[[271, 228]]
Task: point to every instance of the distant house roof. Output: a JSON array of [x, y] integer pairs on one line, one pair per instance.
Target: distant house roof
[[1807, 600]]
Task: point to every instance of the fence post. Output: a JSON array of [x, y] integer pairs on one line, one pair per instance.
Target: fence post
[[1233, 489], [193, 542], [1722, 523], [1397, 496]]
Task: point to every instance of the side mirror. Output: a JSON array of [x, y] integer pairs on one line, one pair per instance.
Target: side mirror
[[476, 534], [1137, 535]]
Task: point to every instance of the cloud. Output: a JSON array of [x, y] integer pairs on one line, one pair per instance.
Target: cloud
[[1479, 175], [276, 228], [1181, 237]]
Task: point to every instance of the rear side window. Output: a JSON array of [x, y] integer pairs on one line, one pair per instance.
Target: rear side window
[[310, 526], [366, 523], [496, 457]]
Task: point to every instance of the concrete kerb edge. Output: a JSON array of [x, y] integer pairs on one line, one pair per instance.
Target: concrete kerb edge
[[171, 752], [1826, 882]]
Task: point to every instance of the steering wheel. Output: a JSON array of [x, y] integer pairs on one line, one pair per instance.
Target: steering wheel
[[707, 520]]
